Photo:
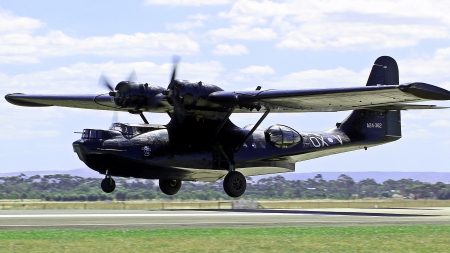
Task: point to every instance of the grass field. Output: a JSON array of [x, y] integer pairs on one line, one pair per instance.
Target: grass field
[[283, 239]]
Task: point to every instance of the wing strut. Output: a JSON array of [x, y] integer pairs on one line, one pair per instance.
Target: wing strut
[[143, 118], [253, 130], [224, 120]]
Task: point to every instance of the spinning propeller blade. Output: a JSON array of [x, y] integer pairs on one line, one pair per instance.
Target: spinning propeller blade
[[175, 60], [132, 77], [104, 81]]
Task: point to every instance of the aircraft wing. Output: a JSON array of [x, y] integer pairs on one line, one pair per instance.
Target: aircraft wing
[[92, 101], [383, 97], [390, 97]]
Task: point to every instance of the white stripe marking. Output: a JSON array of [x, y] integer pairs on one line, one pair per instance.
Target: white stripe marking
[[138, 215]]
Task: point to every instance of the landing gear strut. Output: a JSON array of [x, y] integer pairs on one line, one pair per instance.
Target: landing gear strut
[[234, 184], [108, 184], [169, 186]]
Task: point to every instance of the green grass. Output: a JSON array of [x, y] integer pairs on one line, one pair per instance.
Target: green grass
[[283, 239]]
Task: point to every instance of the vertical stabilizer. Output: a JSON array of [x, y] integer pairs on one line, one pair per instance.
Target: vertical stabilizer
[[376, 126], [384, 72]]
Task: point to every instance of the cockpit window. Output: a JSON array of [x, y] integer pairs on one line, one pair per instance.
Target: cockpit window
[[125, 129], [283, 136], [92, 134], [116, 127]]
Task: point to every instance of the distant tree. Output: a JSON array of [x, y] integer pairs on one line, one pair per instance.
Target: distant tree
[[121, 196], [14, 195], [92, 197]]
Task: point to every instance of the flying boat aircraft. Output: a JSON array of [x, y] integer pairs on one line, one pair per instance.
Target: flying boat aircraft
[[200, 143]]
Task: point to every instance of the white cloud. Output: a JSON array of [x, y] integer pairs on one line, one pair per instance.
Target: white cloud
[[19, 44], [432, 69], [244, 33], [82, 78], [199, 17], [358, 36], [225, 49], [11, 23], [258, 70], [342, 25], [309, 79], [27, 48], [440, 123], [414, 132], [313, 11], [187, 2], [185, 26]]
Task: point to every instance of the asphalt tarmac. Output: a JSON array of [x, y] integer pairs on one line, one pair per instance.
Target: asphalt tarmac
[[148, 219]]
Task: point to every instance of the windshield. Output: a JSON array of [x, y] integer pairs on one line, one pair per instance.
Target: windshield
[[92, 134], [124, 129]]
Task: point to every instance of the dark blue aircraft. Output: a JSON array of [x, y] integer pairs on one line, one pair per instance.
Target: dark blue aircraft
[[200, 143]]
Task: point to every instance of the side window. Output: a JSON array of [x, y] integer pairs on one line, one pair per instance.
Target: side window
[[99, 134], [92, 134], [85, 134]]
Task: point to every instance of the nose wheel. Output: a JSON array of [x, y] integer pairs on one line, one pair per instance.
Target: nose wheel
[[234, 184], [169, 186], [108, 184]]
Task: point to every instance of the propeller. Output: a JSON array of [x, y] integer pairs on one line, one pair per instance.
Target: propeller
[[173, 95], [134, 96], [132, 77], [120, 92], [175, 61], [105, 82]]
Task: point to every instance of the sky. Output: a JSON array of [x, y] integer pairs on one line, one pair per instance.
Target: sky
[[63, 47]]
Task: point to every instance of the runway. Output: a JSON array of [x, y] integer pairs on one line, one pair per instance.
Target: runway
[[147, 219]]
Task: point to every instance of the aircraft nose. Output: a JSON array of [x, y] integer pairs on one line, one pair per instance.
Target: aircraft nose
[[79, 149]]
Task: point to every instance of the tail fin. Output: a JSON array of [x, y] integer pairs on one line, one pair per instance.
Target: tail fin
[[371, 125], [384, 72], [376, 125]]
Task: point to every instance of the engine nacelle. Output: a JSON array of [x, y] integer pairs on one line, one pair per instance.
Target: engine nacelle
[[189, 93], [132, 95]]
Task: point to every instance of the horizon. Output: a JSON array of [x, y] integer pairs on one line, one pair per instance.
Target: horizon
[[378, 176]]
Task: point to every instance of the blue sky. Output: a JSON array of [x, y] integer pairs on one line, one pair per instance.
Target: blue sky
[[63, 47]]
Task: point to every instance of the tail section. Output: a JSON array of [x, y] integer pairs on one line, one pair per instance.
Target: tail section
[[384, 72], [376, 125], [372, 126]]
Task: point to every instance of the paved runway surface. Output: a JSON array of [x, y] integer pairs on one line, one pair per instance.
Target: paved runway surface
[[145, 219]]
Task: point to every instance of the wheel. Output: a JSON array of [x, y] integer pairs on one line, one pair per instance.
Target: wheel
[[169, 186], [234, 184], [108, 185]]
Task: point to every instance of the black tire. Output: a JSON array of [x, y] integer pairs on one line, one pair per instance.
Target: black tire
[[108, 185], [234, 184], [169, 186]]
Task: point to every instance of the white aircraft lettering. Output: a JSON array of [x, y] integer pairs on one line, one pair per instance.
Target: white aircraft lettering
[[315, 142], [323, 141], [318, 141], [338, 138]]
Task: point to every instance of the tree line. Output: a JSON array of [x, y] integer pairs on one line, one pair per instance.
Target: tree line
[[63, 187]]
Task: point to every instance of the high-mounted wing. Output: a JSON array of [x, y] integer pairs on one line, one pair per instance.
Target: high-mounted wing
[[96, 102], [382, 92], [338, 99], [184, 99], [314, 100]]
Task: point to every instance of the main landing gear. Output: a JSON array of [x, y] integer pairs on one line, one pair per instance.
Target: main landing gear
[[108, 184], [234, 184], [169, 186]]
